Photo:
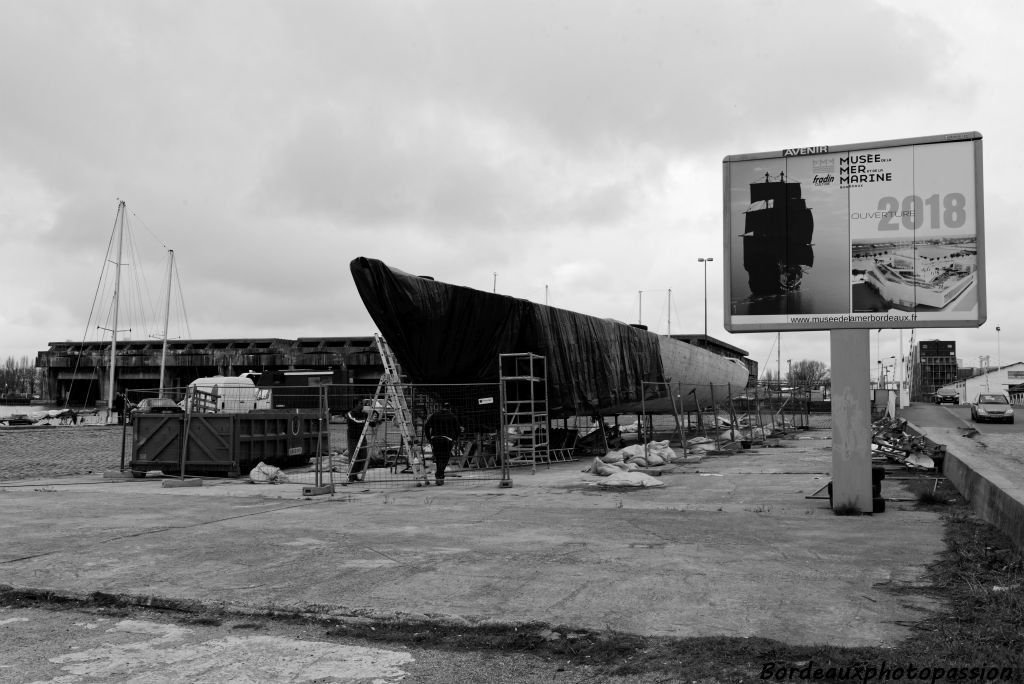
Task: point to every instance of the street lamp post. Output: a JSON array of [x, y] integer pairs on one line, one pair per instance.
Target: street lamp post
[[705, 260], [999, 355]]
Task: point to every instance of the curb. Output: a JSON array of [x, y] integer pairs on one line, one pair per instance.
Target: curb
[[992, 497]]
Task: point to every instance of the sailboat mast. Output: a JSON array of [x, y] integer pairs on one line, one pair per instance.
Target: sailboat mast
[[778, 358], [117, 292], [167, 315]]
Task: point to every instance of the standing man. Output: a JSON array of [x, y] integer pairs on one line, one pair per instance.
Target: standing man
[[355, 421], [119, 407], [442, 429]]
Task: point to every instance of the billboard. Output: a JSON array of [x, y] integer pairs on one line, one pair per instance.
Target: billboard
[[869, 235]]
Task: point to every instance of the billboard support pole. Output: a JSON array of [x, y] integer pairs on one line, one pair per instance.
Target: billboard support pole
[[851, 419]]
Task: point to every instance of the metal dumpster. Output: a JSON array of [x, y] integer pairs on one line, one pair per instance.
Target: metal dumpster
[[226, 444]]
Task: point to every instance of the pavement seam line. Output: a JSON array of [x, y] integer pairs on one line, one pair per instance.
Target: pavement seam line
[[165, 529]]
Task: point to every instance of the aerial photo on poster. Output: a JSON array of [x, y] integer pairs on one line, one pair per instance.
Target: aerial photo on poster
[[871, 235]]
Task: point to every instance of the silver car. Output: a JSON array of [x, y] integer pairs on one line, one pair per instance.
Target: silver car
[[991, 407]]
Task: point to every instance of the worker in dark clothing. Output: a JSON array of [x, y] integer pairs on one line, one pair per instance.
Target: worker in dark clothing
[[119, 407], [442, 429], [355, 420]]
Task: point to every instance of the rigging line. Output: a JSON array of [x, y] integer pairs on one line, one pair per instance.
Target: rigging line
[[99, 283], [661, 318], [764, 367], [92, 311], [165, 293], [143, 300], [129, 296], [181, 301], [148, 230]]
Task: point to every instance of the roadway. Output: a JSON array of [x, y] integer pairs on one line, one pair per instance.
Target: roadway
[[927, 415]]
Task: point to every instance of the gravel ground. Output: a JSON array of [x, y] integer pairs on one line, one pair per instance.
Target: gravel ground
[[58, 451], [34, 452]]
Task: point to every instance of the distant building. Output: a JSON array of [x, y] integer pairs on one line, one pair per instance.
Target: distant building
[[934, 365], [78, 372], [1004, 380]]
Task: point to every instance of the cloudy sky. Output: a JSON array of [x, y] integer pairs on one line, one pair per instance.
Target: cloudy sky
[[546, 149]]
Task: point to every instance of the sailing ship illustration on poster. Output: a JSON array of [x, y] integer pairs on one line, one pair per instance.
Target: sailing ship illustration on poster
[[777, 234]]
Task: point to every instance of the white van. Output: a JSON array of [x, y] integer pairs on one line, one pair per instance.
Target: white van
[[222, 394]]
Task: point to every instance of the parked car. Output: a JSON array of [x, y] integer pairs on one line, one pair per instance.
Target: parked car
[[989, 407], [157, 405], [946, 395]]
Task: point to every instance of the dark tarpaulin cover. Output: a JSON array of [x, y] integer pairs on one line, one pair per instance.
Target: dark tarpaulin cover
[[449, 334]]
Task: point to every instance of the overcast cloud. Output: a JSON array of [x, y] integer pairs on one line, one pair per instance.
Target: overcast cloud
[[572, 148]]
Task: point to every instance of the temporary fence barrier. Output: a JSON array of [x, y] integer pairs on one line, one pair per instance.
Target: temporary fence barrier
[[305, 430], [695, 411], [391, 462], [322, 457], [784, 409], [726, 413]]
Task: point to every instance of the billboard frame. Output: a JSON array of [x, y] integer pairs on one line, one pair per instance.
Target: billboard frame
[[747, 311]]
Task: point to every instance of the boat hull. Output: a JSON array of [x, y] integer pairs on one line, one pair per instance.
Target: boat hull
[[450, 334]]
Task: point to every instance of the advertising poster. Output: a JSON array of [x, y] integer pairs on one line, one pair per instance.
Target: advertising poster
[[877, 235]]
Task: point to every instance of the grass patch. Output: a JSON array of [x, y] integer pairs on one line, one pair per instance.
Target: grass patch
[[935, 493], [930, 498]]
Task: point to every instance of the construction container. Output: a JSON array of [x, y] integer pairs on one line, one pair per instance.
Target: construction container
[[226, 444]]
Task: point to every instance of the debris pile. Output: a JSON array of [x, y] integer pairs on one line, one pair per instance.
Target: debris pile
[[892, 441]]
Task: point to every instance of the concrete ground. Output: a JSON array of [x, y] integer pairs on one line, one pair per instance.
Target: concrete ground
[[730, 546]]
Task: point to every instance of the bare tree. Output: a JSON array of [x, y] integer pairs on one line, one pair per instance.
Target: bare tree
[[808, 373], [19, 376]]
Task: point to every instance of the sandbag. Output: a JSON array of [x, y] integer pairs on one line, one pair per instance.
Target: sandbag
[[630, 480], [613, 457], [266, 474], [662, 449], [599, 467], [632, 450], [655, 459]]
